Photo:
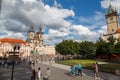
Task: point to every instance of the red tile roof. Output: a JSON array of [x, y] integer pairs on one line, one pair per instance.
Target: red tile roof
[[12, 40], [118, 31]]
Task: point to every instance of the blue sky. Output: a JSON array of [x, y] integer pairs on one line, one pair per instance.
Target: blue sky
[[80, 7], [78, 20]]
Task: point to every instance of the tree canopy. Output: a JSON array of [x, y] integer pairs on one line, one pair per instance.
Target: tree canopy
[[67, 47], [87, 48]]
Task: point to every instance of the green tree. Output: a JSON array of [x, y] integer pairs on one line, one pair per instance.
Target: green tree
[[111, 45], [101, 47], [67, 47], [111, 40], [87, 49], [104, 47], [117, 47]]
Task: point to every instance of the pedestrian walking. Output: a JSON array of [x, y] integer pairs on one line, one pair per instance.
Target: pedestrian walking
[[79, 67], [33, 76], [48, 72], [30, 63], [3, 63], [75, 69], [39, 74], [95, 69], [72, 71]]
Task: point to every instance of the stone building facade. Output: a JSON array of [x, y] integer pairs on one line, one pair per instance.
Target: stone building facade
[[36, 42], [112, 20], [35, 39]]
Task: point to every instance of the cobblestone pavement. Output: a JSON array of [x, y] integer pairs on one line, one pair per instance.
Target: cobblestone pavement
[[21, 72], [60, 74], [103, 75]]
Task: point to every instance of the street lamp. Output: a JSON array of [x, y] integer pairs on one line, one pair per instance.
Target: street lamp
[[13, 61]]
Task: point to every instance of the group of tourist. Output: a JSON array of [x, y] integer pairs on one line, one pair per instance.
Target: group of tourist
[[7, 62], [38, 75], [4, 62], [39, 59], [76, 70]]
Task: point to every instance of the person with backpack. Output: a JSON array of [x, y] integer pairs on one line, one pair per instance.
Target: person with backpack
[[79, 67]]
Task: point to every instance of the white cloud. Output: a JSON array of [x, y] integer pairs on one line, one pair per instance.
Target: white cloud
[[75, 32], [84, 33], [57, 5], [115, 3], [56, 35], [18, 15], [7, 30], [36, 13], [97, 20], [13, 35], [29, 0], [103, 30]]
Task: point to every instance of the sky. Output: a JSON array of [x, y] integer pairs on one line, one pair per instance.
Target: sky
[[79, 20]]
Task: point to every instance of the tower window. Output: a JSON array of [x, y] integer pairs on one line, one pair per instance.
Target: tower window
[[111, 18], [112, 29]]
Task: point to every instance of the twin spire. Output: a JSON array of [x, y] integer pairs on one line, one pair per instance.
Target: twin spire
[[32, 30]]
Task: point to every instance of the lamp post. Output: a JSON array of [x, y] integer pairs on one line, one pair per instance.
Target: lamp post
[[13, 61]]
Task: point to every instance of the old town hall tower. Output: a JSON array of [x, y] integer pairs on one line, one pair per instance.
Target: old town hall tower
[[112, 21]]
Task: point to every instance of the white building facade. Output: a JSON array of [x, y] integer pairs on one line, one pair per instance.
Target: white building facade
[[34, 43], [7, 44]]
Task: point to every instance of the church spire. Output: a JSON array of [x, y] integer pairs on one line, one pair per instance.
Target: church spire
[[31, 29], [40, 29], [111, 10]]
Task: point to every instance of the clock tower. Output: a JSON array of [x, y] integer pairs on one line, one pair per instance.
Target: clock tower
[[112, 20]]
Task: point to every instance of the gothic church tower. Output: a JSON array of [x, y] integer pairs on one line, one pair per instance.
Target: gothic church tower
[[40, 34], [35, 39], [31, 33]]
